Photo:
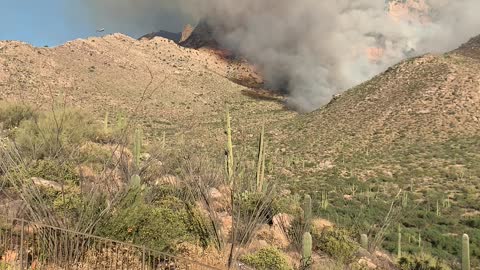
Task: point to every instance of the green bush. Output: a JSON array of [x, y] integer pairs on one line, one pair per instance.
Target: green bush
[[53, 170], [421, 261], [11, 115], [269, 258], [335, 242], [161, 225], [54, 134]]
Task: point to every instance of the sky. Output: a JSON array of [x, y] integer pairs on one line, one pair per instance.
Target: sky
[[53, 22]]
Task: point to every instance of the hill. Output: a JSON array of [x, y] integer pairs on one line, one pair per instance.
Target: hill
[[413, 129]]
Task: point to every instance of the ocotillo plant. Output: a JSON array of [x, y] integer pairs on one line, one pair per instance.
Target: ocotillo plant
[[261, 161], [137, 147], [306, 250], [229, 150], [465, 252], [307, 212], [399, 243], [364, 241]]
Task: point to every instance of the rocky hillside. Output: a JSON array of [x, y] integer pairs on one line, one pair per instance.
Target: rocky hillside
[[414, 127], [176, 87]]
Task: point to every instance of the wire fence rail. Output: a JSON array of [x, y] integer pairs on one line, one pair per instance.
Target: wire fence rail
[[31, 245]]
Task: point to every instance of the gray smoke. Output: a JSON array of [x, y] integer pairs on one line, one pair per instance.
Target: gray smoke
[[318, 48]]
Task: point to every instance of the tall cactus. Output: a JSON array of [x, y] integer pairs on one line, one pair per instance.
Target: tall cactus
[[261, 161], [399, 243], [364, 241], [229, 150], [465, 252], [137, 147], [307, 212], [324, 200], [306, 250]]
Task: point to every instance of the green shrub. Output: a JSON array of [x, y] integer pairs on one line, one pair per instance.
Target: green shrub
[[54, 134], [421, 261], [335, 242], [160, 225], [95, 153], [269, 258], [53, 170], [11, 115], [287, 205]]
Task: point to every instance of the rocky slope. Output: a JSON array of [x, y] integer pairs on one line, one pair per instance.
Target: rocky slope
[[412, 127]]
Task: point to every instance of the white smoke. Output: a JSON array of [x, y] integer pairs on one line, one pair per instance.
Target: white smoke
[[317, 48]]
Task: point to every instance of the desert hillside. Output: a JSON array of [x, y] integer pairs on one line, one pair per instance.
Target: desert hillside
[[175, 88], [412, 129]]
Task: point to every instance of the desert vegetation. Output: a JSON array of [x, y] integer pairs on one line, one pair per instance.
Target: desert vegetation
[[106, 176]]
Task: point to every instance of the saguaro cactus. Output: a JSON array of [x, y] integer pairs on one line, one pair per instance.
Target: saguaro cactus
[[261, 161], [364, 241], [324, 198], [399, 243], [307, 211], [465, 252], [229, 150], [306, 249]]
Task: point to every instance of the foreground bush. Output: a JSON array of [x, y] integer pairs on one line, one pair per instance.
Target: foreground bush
[[160, 224], [421, 261], [269, 258], [11, 115], [54, 134], [335, 242]]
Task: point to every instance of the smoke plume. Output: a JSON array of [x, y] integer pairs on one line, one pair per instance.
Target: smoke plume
[[317, 48]]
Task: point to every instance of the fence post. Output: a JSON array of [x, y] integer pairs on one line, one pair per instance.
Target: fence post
[[143, 257], [22, 232]]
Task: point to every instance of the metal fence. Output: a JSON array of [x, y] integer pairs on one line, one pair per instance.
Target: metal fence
[[30, 245]]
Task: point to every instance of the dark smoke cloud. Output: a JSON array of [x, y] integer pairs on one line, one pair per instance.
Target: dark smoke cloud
[[317, 48]]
